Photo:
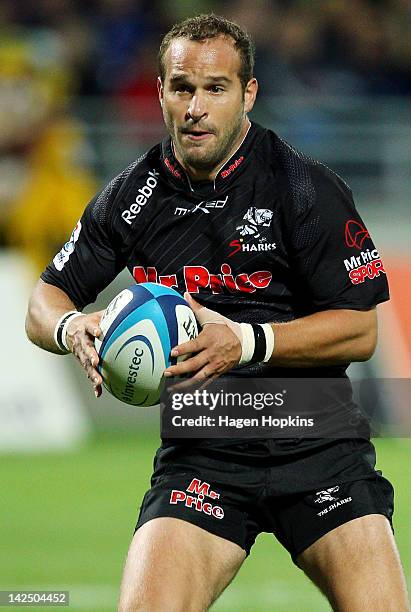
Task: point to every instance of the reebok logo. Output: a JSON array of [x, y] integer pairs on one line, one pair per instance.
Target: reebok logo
[[144, 194]]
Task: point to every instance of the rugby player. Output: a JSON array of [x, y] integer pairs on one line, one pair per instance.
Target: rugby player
[[257, 233]]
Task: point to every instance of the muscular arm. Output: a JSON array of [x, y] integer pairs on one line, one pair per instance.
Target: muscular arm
[[331, 337], [47, 304]]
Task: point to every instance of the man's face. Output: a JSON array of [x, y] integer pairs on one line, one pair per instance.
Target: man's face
[[203, 102]]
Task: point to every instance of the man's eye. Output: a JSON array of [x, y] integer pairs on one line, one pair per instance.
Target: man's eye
[[216, 88], [182, 89]]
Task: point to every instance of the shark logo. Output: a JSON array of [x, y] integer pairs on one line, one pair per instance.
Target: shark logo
[[325, 495], [254, 219]]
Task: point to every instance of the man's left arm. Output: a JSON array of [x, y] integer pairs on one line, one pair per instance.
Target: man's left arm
[[331, 337]]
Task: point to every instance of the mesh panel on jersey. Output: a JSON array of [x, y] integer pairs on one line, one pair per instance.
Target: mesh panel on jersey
[[297, 166], [101, 208], [305, 234]]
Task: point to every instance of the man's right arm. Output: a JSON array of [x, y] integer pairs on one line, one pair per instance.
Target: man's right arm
[[46, 307], [85, 265]]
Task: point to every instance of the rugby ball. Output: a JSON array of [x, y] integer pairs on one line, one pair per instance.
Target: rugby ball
[[140, 327]]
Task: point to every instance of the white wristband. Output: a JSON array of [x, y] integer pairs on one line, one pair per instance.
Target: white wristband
[[269, 340], [60, 331], [247, 343], [65, 326]]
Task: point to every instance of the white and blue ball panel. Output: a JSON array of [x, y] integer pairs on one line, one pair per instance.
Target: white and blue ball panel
[[140, 327]]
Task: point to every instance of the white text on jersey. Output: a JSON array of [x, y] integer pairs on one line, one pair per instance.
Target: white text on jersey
[[144, 194]]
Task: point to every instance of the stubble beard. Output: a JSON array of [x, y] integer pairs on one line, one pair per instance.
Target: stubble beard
[[208, 158]]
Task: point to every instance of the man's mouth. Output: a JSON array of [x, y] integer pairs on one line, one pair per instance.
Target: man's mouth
[[197, 135]]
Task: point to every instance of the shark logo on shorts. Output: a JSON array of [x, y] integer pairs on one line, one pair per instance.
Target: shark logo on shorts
[[325, 495]]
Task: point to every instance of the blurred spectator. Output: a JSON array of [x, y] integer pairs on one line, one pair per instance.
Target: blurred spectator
[[43, 189], [124, 28], [138, 96], [55, 190]]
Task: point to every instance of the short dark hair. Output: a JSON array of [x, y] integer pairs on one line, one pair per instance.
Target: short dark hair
[[202, 27]]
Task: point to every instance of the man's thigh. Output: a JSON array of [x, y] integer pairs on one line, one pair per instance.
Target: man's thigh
[[357, 567], [174, 566]]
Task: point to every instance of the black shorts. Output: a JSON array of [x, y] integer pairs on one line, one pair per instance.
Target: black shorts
[[297, 492]]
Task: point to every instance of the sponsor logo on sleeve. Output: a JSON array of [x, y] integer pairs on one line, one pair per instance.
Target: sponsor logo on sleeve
[[367, 265], [63, 256], [355, 234]]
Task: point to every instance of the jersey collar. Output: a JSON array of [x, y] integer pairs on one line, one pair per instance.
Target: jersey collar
[[225, 174]]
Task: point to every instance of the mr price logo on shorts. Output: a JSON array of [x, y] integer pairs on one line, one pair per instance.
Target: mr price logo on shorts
[[193, 497], [367, 265], [199, 277]]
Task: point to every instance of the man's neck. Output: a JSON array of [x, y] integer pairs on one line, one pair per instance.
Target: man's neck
[[209, 175]]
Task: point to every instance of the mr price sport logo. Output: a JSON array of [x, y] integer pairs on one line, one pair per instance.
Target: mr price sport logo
[[367, 265], [193, 497]]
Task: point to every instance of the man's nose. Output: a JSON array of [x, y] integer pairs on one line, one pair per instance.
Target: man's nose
[[197, 107]]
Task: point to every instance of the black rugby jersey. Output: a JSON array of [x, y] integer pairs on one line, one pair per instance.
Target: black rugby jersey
[[275, 236]]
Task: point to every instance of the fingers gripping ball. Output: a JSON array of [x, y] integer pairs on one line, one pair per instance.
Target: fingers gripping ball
[[140, 327]]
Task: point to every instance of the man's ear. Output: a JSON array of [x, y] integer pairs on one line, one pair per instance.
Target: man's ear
[[160, 90], [250, 94]]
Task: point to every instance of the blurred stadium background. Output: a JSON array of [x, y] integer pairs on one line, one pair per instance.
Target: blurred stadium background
[[78, 103]]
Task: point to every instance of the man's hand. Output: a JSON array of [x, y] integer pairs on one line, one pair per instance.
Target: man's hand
[[217, 348], [46, 307], [81, 333]]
